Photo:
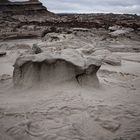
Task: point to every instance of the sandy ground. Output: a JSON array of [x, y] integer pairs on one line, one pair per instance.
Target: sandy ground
[[68, 111]]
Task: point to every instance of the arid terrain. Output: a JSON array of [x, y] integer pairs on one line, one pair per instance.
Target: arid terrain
[[68, 76]]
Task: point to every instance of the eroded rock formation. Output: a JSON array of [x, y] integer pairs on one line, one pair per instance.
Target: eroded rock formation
[[53, 68], [24, 7]]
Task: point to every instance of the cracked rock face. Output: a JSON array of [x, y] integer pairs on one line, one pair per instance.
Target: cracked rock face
[[53, 68]]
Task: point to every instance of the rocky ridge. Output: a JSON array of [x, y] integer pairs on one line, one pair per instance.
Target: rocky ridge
[[21, 8]]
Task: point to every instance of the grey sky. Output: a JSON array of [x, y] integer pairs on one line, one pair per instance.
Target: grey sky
[[93, 6], [89, 6]]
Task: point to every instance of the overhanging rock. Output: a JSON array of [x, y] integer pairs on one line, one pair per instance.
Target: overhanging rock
[[54, 68]]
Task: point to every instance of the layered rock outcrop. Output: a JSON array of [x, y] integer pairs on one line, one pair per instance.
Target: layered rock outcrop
[[24, 7]]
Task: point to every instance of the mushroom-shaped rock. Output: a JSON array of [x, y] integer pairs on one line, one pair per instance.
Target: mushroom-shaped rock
[[54, 68]]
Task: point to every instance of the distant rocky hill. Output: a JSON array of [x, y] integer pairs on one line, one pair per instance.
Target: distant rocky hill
[[26, 7]]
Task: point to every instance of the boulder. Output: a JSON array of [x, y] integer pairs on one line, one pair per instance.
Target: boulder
[[56, 67], [36, 49]]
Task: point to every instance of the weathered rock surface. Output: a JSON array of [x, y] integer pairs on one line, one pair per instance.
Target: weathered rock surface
[[54, 68], [121, 32], [113, 59], [36, 49], [2, 53]]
